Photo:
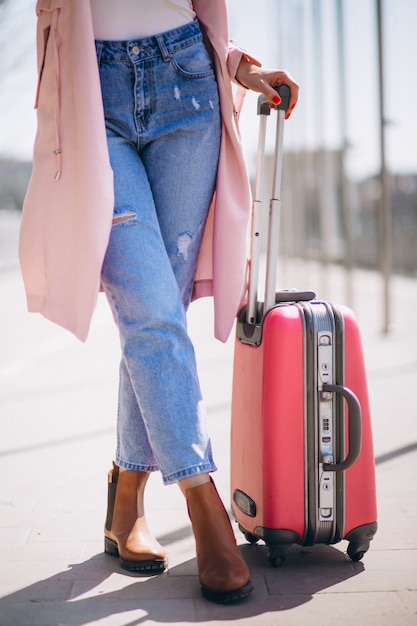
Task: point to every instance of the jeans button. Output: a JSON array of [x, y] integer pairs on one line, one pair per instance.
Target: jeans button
[[135, 50]]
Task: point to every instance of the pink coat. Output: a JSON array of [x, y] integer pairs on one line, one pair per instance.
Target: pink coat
[[68, 209]]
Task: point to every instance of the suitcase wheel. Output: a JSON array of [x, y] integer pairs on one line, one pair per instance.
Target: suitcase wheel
[[355, 551], [276, 555], [359, 540], [248, 536]]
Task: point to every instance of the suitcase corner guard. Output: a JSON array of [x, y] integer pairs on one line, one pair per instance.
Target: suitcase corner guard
[[359, 539], [251, 331]]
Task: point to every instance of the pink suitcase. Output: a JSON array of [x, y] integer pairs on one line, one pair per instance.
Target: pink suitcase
[[302, 461]]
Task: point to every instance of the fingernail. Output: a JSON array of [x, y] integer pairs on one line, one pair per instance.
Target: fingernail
[[276, 99], [292, 107]]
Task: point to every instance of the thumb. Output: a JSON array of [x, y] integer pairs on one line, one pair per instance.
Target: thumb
[[271, 93]]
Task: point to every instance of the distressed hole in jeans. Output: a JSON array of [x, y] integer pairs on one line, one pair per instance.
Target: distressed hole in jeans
[[125, 217], [184, 241]]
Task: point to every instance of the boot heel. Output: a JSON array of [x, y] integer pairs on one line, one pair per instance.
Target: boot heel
[[110, 547]]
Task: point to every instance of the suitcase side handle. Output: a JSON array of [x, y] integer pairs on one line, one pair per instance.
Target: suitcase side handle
[[355, 428]]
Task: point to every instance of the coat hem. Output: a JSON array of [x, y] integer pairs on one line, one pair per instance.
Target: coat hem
[[36, 304]]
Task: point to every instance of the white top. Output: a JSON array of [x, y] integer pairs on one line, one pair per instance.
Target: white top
[[121, 20]]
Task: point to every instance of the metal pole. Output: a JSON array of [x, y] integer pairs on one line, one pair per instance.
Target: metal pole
[[349, 255], [319, 155], [385, 203]]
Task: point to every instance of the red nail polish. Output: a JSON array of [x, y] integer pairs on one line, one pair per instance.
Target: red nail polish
[[276, 99]]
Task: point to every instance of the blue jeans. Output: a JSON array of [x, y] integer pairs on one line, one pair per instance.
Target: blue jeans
[[163, 125]]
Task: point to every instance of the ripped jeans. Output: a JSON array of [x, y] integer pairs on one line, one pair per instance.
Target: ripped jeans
[[163, 125]]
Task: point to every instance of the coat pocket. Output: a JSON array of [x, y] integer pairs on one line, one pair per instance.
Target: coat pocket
[[43, 38], [48, 12]]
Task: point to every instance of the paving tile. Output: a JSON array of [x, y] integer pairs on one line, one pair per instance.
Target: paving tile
[[139, 588], [61, 533], [379, 609], [14, 536], [16, 576], [100, 611], [42, 591], [408, 598], [36, 552], [310, 571]]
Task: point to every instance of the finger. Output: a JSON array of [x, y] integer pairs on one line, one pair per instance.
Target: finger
[[270, 92], [294, 89], [288, 113]]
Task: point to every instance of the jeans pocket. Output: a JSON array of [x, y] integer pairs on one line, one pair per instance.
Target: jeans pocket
[[192, 61]]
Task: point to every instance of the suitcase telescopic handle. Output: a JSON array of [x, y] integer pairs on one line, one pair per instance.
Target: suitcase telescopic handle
[[264, 110], [355, 428]]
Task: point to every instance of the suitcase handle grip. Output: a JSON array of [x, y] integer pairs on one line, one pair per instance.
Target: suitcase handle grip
[[355, 428], [264, 105]]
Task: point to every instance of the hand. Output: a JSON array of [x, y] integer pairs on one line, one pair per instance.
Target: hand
[[263, 81]]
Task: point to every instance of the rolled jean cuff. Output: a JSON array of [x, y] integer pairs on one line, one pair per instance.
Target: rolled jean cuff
[[186, 473], [134, 467]]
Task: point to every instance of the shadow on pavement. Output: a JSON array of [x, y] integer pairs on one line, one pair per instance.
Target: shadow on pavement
[[81, 594]]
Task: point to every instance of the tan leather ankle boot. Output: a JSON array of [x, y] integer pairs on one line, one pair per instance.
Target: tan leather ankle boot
[[126, 532], [223, 574]]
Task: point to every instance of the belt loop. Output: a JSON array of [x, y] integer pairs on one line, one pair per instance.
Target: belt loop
[[164, 52]]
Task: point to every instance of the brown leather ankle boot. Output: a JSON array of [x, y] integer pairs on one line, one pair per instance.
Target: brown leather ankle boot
[[126, 532], [223, 574]]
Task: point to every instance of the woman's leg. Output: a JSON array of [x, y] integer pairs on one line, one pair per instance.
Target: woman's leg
[[163, 187], [135, 269], [157, 353], [162, 423]]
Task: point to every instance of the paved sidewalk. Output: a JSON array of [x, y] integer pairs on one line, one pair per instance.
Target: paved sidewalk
[[57, 412]]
